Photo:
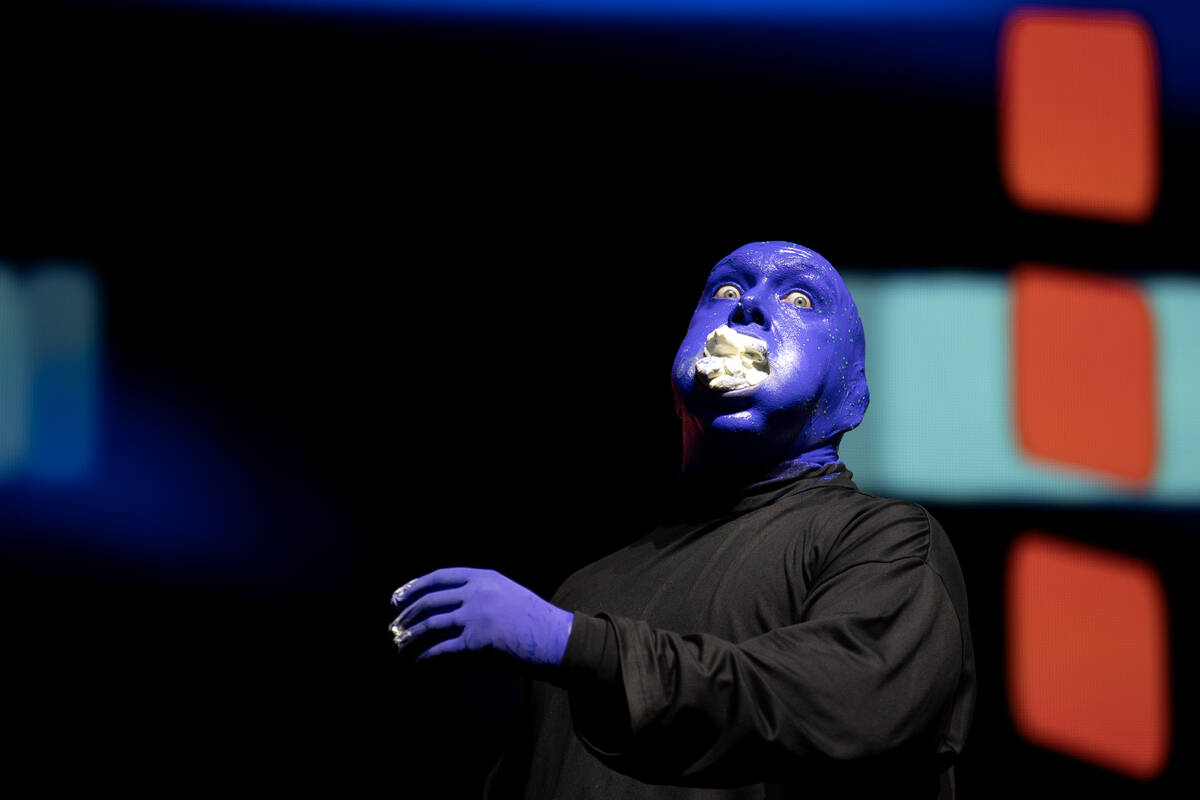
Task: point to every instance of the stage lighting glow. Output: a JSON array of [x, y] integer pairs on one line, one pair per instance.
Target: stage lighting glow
[[1088, 655], [1084, 368], [1079, 119], [630, 9], [14, 375]]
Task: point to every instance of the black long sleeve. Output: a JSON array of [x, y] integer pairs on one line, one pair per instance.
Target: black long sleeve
[[876, 659], [808, 641]]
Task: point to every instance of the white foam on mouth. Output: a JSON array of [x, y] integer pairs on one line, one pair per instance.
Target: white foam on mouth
[[732, 360]]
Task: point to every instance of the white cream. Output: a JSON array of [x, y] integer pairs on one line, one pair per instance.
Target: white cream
[[732, 360]]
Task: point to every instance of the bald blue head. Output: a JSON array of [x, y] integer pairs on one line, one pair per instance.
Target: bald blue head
[[772, 367]]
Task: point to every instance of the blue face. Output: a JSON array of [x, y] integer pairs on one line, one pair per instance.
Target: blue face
[[794, 302]]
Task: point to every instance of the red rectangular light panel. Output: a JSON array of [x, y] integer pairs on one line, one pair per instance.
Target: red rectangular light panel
[[1084, 372], [1088, 670], [1079, 113]]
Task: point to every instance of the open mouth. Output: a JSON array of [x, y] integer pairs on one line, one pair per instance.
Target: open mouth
[[732, 361]]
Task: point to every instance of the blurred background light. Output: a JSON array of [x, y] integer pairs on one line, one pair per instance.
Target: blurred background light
[[65, 325], [936, 41], [1088, 654], [632, 9], [14, 374], [1085, 367], [1079, 112]]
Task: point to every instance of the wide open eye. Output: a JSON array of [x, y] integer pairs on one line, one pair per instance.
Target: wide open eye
[[798, 299], [728, 292]]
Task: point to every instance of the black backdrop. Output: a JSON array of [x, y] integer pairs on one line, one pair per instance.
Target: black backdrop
[[413, 288]]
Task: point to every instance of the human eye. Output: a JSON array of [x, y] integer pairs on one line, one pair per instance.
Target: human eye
[[798, 299], [728, 292]]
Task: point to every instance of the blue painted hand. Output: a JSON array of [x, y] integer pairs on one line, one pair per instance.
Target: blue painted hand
[[479, 609]]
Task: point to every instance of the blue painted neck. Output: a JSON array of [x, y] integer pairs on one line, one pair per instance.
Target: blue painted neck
[[819, 457], [734, 461]]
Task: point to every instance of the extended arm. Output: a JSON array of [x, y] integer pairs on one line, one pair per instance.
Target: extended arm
[[869, 669]]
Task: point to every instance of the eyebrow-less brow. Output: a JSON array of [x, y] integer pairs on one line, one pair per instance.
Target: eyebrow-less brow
[[810, 279], [748, 274]]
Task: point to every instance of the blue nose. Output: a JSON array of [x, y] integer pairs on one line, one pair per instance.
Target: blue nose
[[748, 312]]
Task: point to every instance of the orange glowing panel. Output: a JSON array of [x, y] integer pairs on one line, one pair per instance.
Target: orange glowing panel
[[1084, 382], [1088, 673], [1079, 116]]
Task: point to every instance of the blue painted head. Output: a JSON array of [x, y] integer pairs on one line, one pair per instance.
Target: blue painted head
[[771, 370]]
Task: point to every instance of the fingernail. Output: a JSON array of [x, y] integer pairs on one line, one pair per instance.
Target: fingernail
[[400, 634], [399, 593]]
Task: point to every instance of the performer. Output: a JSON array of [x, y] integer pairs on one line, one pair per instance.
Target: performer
[[783, 634]]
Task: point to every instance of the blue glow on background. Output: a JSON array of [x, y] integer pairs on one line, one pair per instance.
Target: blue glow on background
[[941, 425], [96, 466], [633, 9], [65, 326], [930, 44], [162, 491]]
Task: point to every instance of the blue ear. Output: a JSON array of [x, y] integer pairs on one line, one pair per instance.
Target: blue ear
[[858, 394], [858, 397], [855, 396]]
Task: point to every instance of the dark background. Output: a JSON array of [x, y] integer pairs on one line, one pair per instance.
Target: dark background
[[384, 294]]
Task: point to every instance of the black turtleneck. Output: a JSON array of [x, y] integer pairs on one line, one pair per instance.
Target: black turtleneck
[[797, 639]]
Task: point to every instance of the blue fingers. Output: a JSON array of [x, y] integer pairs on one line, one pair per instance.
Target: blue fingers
[[403, 635], [450, 578], [432, 602]]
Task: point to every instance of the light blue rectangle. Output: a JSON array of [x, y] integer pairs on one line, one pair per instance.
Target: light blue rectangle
[[1176, 305], [940, 426], [14, 375]]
